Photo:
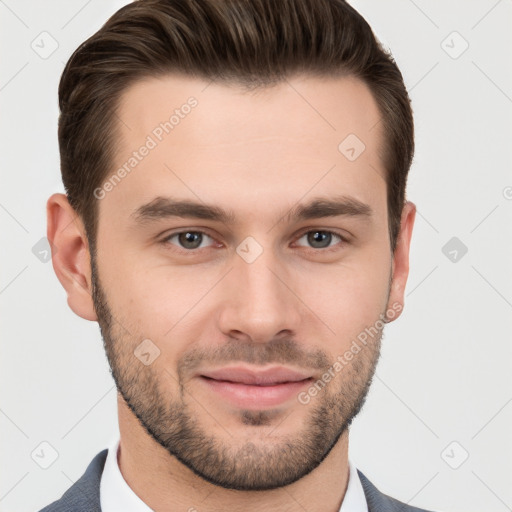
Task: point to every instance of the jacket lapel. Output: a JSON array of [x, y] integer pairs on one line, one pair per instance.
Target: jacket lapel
[[84, 494]]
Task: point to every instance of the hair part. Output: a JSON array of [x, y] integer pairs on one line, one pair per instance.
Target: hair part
[[252, 43]]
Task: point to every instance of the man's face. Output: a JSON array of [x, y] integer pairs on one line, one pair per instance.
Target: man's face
[[260, 289]]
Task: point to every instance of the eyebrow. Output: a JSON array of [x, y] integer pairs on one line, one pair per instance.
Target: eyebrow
[[168, 207]]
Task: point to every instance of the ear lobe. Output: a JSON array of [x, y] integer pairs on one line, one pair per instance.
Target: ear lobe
[[400, 265], [70, 254]]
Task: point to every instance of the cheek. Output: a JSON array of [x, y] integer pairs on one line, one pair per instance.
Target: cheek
[[349, 297], [158, 302]]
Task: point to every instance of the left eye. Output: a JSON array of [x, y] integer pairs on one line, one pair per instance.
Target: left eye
[[320, 239]]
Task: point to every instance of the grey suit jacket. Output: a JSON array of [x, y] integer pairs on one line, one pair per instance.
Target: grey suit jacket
[[84, 494]]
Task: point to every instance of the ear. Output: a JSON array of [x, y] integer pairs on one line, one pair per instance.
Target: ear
[[400, 263], [70, 254]]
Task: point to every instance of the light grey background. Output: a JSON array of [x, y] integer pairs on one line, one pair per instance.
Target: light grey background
[[445, 372]]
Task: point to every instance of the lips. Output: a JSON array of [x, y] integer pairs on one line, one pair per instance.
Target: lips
[[255, 389], [256, 377]]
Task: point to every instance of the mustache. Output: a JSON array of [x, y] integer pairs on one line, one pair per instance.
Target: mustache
[[284, 351]]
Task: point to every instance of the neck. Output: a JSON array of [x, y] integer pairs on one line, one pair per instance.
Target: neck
[[162, 482]]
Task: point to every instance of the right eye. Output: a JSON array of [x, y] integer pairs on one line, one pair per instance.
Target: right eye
[[187, 240]]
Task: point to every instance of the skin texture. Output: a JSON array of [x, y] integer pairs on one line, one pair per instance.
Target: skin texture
[[301, 303]]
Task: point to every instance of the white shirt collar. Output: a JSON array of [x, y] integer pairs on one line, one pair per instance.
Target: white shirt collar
[[116, 494], [354, 500]]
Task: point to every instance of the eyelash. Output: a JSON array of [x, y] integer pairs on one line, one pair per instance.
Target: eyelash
[[166, 241]]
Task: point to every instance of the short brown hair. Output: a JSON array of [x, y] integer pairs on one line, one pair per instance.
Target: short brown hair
[[254, 43]]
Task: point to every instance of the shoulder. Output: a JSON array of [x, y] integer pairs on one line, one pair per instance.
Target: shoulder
[[380, 502], [84, 494]]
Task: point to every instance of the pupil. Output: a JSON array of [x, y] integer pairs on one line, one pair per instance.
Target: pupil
[[324, 237], [189, 240]]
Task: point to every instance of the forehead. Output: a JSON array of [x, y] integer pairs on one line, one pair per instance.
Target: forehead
[[218, 142], [298, 107]]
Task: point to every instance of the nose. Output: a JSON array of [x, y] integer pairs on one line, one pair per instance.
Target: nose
[[260, 303]]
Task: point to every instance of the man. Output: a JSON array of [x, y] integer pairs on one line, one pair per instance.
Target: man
[[235, 220]]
